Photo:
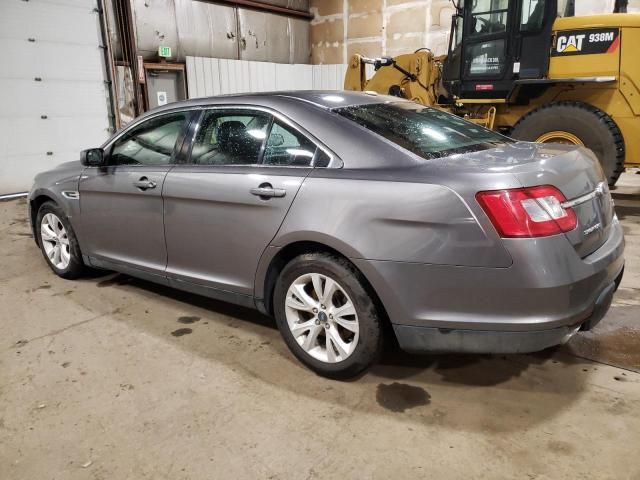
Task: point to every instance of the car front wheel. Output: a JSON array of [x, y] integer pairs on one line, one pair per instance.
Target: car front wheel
[[58, 242], [326, 316]]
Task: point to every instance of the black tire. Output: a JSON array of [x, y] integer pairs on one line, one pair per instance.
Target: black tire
[[592, 126], [369, 343], [75, 268]]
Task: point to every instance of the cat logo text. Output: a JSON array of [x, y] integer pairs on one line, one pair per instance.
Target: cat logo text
[[571, 43], [586, 42]]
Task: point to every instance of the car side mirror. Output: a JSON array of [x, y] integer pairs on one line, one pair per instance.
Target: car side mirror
[[92, 157], [275, 140]]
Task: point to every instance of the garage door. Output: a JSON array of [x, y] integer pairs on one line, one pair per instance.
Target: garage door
[[53, 99]]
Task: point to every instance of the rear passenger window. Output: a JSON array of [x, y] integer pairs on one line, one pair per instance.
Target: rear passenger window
[[287, 147], [230, 138], [322, 159]]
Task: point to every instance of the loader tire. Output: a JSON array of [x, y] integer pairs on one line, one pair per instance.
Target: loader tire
[[576, 123]]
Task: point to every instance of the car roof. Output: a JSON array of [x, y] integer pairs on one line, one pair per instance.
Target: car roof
[[325, 99]]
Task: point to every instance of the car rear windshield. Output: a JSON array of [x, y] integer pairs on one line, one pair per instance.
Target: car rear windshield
[[425, 131]]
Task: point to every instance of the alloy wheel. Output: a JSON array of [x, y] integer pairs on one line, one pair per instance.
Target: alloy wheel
[[322, 317], [55, 241]]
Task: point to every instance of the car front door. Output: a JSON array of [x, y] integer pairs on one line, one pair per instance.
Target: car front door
[[223, 208], [121, 203]]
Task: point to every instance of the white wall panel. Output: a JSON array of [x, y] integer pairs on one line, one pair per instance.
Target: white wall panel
[[48, 121], [285, 77], [303, 77], [37, 20], [217, 76], [243, 75], [328, 77], [57, 134], [25, 98], [44, 59], [208, 78], [192, 78]]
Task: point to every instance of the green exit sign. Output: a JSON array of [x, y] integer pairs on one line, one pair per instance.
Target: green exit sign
[[164, 52]]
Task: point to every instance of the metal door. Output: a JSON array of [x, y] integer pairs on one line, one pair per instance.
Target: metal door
[[165, 86]]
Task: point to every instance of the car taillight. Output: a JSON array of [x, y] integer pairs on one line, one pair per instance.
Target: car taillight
[[528, 212]]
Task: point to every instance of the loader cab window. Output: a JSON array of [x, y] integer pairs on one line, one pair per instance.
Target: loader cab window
[[452, 66], [566, 8], [532, 16], [488, 16], [487, 58], [458, 30]]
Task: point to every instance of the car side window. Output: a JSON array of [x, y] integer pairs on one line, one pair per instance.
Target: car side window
[[150, 143], [287, 147], [230, 138]]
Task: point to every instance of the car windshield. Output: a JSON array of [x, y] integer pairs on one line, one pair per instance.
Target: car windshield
[[425, 131]]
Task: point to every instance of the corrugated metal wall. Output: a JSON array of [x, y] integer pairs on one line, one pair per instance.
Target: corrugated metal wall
[[198, 28], [217, 76]]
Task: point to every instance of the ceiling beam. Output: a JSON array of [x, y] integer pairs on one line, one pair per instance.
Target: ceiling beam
[[265, 7]]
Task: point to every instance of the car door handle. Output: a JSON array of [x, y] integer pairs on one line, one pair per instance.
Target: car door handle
[[144, 183], [268, 192]]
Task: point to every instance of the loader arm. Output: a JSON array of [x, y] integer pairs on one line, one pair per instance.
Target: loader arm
[[415, 76]]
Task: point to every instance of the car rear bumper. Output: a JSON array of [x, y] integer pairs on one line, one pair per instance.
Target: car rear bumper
[[547, 295], [429, 339]]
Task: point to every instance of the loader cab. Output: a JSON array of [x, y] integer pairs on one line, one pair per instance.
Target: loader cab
[[495, 43]]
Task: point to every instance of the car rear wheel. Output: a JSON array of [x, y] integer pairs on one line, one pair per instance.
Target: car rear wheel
[[326, 316], [58, 242]]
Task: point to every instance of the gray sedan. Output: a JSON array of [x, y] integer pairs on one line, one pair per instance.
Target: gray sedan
[[342, 214]]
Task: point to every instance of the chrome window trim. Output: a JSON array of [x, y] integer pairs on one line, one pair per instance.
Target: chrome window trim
[[109, 143]]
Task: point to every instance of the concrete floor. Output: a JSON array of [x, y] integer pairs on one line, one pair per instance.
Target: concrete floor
[[114, 378]]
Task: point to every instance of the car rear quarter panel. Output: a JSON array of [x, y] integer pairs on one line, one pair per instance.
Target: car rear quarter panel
[[386, 220]]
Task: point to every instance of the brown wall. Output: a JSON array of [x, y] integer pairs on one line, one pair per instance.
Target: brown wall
[[390, 27], [373, 28]]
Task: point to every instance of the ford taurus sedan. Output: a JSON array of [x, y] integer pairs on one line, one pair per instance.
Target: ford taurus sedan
[[342, 214]]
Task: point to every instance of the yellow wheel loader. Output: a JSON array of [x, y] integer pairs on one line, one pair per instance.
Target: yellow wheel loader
[[518, 67]]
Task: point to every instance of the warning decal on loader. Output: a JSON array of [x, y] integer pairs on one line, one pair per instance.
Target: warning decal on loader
[[585, 42]]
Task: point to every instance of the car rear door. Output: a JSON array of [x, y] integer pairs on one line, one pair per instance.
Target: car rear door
[[121, 204], [225, 205]]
